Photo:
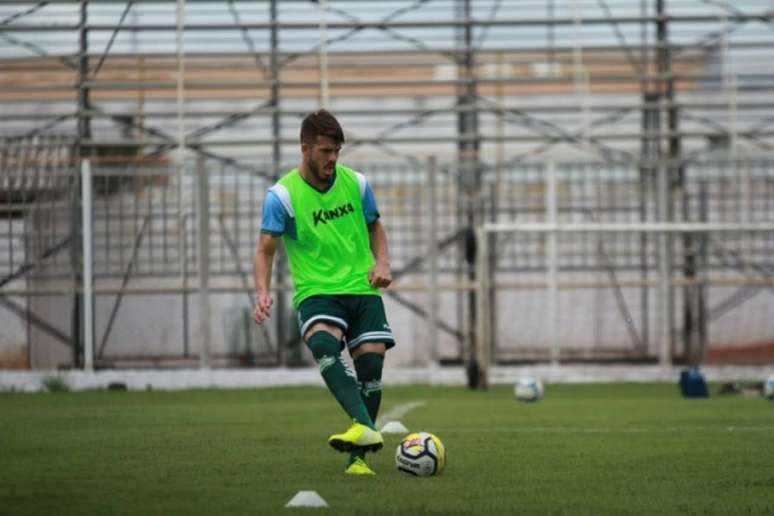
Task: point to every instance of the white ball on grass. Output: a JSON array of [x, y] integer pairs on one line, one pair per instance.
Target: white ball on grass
[[421, 454], [529, 389]]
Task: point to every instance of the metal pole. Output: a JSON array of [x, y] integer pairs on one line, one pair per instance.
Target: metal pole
[[280, 262], [645, 181], [88, 263], [663, 201], [550, 37], [186, 318], [481, 334], [432, 254], [581, 76], [664, 287], [729, 81], [649, 116], [324, 88], [84, 133], [675, 174], [702, 324], [731, 87], [497, 196], [552, 265], [84, 119], [203, 226], [180, 166], [469, 180]]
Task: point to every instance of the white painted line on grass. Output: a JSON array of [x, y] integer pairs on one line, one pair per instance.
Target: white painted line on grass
[[398, 412]]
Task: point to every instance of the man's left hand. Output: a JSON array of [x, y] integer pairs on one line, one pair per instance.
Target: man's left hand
[[380, 276]]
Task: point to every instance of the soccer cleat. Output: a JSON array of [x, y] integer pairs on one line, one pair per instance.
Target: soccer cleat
[[359, 467], [357, 436]]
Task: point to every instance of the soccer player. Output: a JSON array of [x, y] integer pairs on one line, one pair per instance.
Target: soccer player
[[327, 217]]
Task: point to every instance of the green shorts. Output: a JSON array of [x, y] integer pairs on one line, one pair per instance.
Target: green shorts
[[361, 318]]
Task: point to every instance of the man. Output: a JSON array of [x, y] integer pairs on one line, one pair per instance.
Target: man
[[328, 219]]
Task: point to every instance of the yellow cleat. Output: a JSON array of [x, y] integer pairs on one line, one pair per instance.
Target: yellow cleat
[[359, 467], [357, 436]]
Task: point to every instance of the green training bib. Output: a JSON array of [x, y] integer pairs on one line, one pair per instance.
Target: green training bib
[[331, 253]]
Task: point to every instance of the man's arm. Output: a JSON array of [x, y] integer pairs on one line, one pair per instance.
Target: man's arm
[[262, 265], [380, 275]]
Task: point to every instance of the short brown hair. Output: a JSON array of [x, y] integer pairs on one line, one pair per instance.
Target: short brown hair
[[321, 123]]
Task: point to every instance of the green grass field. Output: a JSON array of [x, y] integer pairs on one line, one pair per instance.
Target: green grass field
[[584, 449]]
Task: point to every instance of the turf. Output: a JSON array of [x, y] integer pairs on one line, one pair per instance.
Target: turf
[[584, 449]]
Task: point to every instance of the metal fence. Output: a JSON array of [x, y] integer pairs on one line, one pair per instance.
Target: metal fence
[[171, 244], [650, 110]]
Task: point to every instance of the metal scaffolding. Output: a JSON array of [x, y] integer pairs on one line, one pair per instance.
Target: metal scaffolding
[[182, 112]]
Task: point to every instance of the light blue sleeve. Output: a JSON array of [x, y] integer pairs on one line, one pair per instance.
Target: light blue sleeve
[[275, 218], [370, 208]]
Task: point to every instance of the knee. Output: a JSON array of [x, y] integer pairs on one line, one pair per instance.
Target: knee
[[378, 348], [321, 344], [323, 326]]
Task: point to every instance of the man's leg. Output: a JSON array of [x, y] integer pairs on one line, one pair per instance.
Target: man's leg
[[325, 345], [369, 361], [368, 338]]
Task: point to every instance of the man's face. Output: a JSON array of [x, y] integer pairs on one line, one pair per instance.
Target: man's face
[[321, 157]]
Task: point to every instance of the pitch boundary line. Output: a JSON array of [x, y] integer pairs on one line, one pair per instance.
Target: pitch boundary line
[[397, 412]]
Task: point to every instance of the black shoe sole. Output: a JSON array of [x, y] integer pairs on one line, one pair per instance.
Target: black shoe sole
[[344, 446]]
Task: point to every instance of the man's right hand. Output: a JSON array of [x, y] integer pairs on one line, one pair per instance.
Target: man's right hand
[[262, 306]]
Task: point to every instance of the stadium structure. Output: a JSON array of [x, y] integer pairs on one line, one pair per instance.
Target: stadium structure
[[579, 182]]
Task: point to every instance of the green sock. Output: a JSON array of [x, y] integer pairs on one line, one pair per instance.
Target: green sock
[[338, 377], [369, 374]]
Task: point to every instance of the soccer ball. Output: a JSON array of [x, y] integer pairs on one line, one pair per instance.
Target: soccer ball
[[768, 388], [528, 389], [420, 454]]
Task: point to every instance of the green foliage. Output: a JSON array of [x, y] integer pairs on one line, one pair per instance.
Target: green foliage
[[584, 449], [55, 384]]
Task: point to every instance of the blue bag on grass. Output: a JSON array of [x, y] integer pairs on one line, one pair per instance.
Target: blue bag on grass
[[692, 384]]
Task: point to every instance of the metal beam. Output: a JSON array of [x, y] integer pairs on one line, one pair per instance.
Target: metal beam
[[35, 320], [765, 17], [26, 267], [124, 283], [243, 276], [112, 39], [419, 310], [440, 245]]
